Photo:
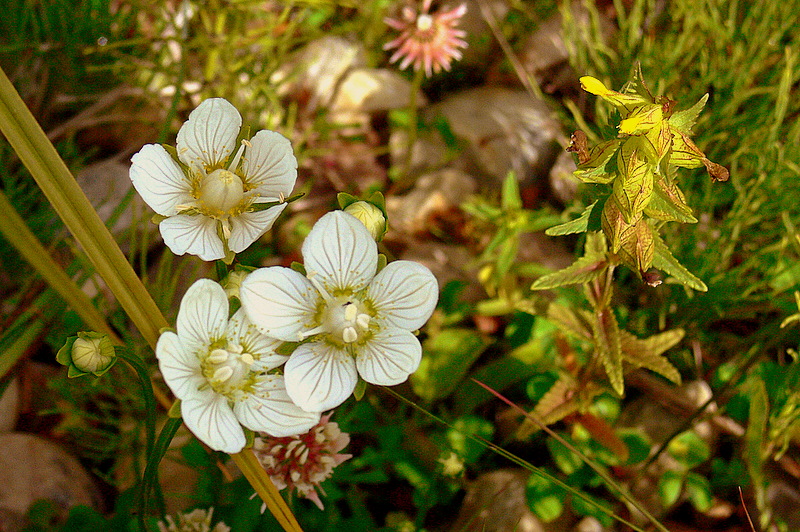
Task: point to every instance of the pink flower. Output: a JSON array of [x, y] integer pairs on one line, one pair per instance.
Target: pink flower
[[429, 40], [302, 462]]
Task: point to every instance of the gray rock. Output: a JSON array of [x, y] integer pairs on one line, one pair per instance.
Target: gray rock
[[498, 130], [563, 183]]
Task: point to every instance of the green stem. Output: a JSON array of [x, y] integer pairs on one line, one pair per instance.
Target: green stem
[[416, 85]]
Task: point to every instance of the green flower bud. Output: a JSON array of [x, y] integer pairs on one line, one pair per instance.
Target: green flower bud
[[369, 215], [233, 283], [89, 352]]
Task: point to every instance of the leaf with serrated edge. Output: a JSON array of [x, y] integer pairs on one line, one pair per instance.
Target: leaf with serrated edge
[[665, 261], [608, 348], [647, 353], [554, 406], [578, 225], [568, 321], [583, 270], [636, 250], [616, 229], [668, 203], [685, 152], [685, 120], [634, 187]]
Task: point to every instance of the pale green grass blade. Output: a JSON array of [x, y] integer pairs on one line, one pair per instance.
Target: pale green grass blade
[[20, 236], [59, 186]]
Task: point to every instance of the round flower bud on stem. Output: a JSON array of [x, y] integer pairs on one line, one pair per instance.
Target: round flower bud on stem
[[89, 352], [369, 215]]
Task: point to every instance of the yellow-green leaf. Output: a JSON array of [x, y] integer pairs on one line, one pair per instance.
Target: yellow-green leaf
[[609, 348], [582, 270], [668, 203], [634, 186], [665, 261], [647, 353]]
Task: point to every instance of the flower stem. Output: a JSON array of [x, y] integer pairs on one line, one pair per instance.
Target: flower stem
[[252, 470], [416, 85]]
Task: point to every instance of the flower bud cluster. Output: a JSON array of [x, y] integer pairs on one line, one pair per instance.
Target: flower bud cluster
[[640, 166]]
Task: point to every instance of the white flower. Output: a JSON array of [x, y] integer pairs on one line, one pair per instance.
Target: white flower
[[218, 369], [359, 323], [208, 201]]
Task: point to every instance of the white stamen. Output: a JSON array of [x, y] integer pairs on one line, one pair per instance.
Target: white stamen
[[304, 457], [218, 356], [349, 335], [247, 358], [223, 373], [363, 321], [350, 312], [235, 161], [424, 22]]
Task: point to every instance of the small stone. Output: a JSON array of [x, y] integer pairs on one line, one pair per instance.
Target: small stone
[[32, 468], [433, 193], [364, 91], [496, 502], [318, 68]]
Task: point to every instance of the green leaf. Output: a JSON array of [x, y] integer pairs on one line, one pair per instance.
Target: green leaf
[[609, 348], [699, 491], [569, 321], [669, 204], [634, 186], [756, 432], [685, 120], [578, 225], [510, 199], [689, 449], [601, 165], [647, 353], [545, 498], [665, 261], [670, 484], [447, 356], [583, 270]]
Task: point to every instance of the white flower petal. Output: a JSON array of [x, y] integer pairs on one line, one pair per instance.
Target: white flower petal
[[209, 136], [210, 418], [193, 234], [248, 227], [243, 332], [404, 294], [179, 365], [281, 302], [269, 409], [270, 165], [340, 252], [319, 376], [159, 180], [203, 315], [389, 357]]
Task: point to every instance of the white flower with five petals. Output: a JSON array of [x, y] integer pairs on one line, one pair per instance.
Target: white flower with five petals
[[218, 368], [351, 321], [210, 200]]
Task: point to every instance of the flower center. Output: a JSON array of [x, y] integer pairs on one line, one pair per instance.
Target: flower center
[[221, 191], [424, 22], [346, 320], [227, 369]]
